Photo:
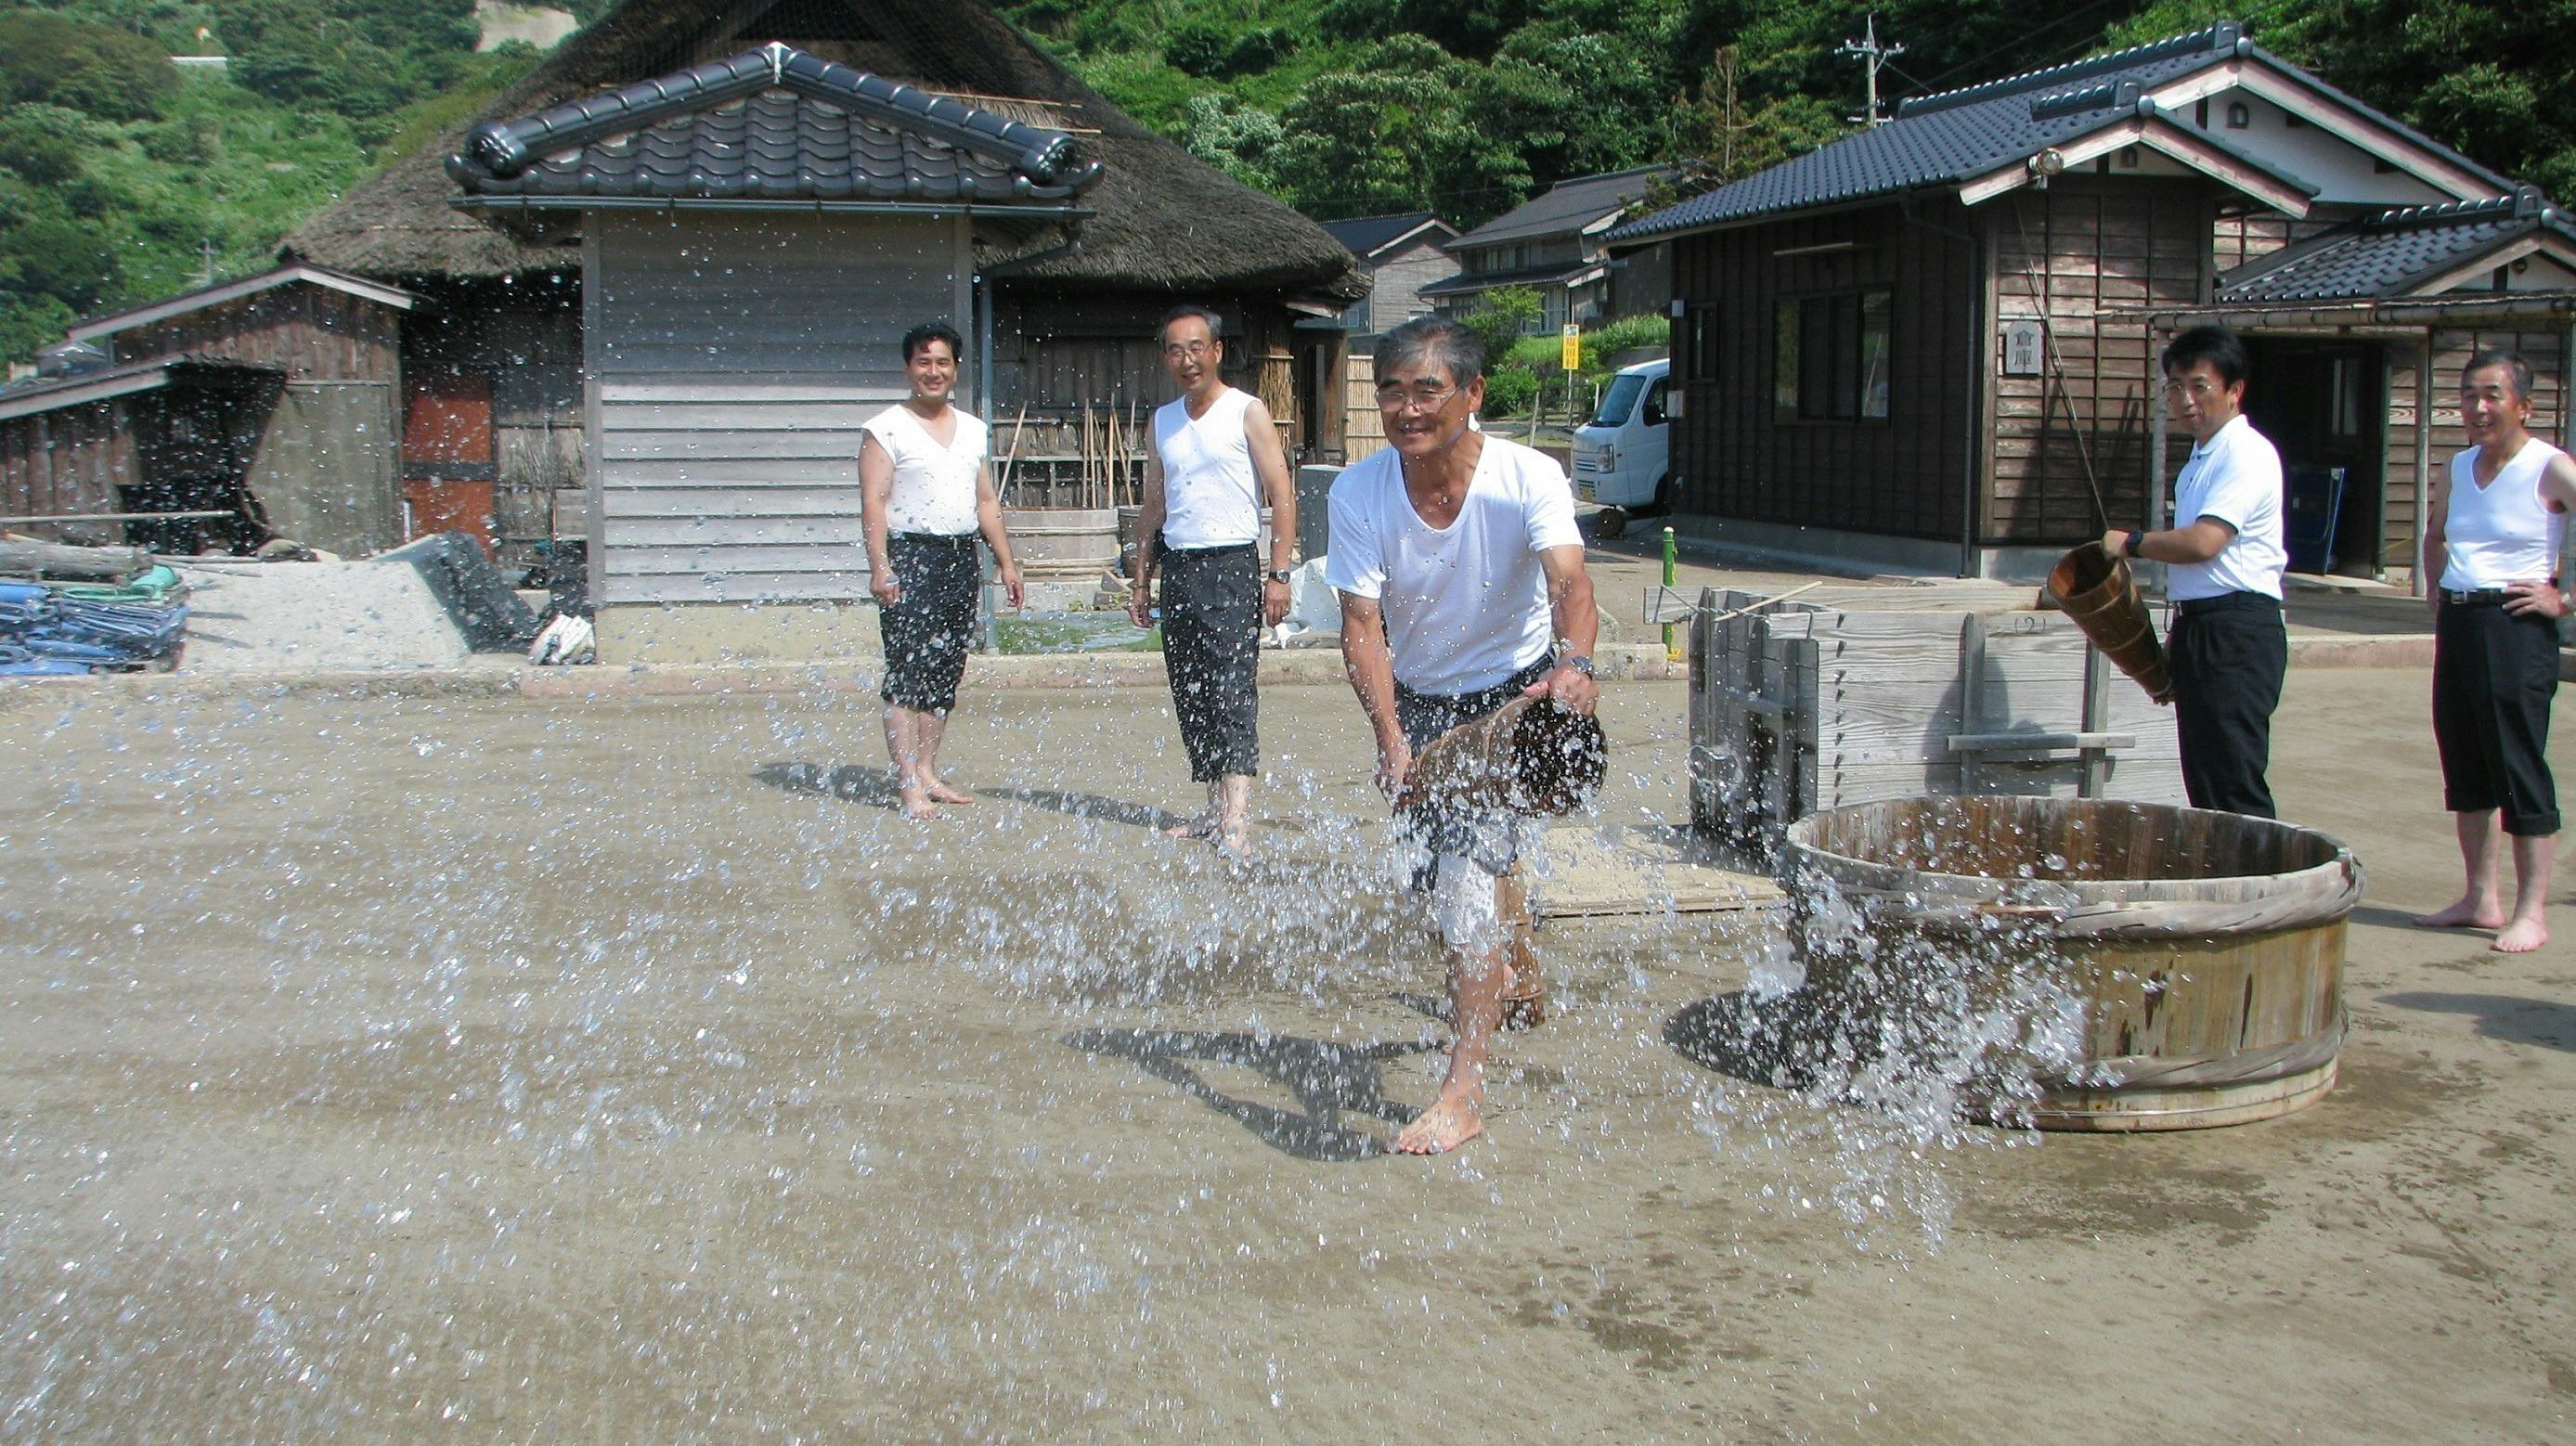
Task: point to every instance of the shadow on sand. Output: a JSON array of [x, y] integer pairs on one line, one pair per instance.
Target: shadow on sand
[[1329, 1081], [1747, 1037], [2500, 1016], [856, 783]]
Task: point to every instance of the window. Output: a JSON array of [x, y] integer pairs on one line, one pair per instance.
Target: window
[[1655, 416], [1699, 344], [1829, 357]]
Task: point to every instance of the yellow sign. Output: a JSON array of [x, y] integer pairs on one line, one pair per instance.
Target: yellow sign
[[1573, 347]]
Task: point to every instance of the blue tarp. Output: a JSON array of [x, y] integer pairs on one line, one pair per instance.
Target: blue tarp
[[43, 630]]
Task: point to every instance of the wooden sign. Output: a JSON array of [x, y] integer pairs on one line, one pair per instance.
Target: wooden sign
[[2023, 343]]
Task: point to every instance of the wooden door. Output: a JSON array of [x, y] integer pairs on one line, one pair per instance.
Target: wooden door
[[448, 457]]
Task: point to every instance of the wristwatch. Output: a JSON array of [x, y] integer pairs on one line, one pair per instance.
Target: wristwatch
[[1279, 574], [2130, 544], [1580, 662]]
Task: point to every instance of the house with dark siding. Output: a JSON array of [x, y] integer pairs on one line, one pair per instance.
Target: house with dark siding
[[1401, 255], [1930, 345]]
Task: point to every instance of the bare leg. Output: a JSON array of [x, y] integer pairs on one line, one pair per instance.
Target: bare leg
[[1475, 1008], [1230, 798], [2527, 930], [904, 745], [1206, 822], [930, 728], [2478, 906]]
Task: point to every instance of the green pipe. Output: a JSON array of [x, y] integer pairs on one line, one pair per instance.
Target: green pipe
[[1672, 558]]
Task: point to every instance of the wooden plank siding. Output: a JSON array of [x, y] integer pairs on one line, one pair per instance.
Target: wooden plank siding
[[69, 461], [310, 333], [2084, 424], [733, 360], [1899, 476], [2547, 353]]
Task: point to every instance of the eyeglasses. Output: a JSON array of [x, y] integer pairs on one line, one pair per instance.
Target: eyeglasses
[[1395, 398], [1195, 350], [2201, 387]]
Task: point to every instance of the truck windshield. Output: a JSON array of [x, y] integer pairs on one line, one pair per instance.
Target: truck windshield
[[1620, 400]]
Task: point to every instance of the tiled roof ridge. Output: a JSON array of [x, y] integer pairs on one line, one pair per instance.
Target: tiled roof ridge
[[506, 149], [2218, 39], [2523, 202]]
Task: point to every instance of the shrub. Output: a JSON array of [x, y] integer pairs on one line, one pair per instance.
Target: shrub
[[1259, 49], [1509, 391], [1194, 48], [1498, 320], [107, 74]]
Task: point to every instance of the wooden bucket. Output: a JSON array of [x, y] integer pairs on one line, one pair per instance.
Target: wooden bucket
[[1531, 756], [2098, 592], [1063, 541], [2206, 949]]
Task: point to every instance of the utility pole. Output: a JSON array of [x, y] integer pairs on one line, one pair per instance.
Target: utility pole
[[1872, 55], [206, 250]]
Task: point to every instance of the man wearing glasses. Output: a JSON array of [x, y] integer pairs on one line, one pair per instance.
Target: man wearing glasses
[[1462, 586], [1216, 454], [2229, 649]]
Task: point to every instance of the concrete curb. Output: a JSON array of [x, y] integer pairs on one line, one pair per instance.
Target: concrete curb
[[495, 678], [2342, 650]]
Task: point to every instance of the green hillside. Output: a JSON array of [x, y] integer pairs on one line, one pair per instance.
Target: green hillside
[[122, 179]]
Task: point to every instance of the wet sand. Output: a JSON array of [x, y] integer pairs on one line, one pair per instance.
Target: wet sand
[[380, 1067]]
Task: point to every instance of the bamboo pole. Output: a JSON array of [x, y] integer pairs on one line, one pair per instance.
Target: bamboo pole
[[1010, 459]]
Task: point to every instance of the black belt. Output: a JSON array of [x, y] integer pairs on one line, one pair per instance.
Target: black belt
[[938, 539], [1210, 551], [2224, 602], [2475, 596]]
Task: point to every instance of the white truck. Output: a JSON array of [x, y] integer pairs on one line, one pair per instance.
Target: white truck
[[1623, 456]]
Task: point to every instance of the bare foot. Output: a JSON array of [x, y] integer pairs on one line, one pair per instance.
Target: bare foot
[[2520, 937], [2467, 913], [1445, 1126], [1234, 843], [942, 793], [1203, 826], [918, 807]]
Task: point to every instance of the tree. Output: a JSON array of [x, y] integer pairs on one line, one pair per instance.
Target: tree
[[107, 74], [1238, 139]]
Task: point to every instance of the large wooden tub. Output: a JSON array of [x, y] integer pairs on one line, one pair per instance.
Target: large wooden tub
[[2205, 950], [1060, 542]]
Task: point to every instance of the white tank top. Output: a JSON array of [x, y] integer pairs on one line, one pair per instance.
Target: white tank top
[[1210, 496], [2503, 532]]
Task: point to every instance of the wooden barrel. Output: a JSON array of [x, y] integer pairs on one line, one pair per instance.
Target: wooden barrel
[[1532, 755], [2098, 592], [1063, 541], [2205, 949]]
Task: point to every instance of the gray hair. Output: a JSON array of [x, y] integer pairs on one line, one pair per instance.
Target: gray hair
[[1434, 339], [1215, 324], [2517, 371]]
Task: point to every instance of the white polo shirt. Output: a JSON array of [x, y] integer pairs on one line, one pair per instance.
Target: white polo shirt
[[2236, 478], [1465, 605]]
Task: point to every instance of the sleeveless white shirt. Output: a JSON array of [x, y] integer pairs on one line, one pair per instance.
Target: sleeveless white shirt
[[1210, 496], [2503, 532], [934, 484]]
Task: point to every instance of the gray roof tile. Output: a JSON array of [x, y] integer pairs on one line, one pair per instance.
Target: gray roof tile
[[2394, 252]]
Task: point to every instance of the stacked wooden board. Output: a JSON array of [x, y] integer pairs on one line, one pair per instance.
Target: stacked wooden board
[[1855, 695]]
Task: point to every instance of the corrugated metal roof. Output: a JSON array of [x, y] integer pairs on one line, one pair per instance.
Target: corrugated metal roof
[[773, 124], [1951, 138], [2393, 253]]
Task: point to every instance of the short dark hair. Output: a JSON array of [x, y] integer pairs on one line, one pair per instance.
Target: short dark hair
[[930, 331], [1427, 338], [2215, 345], [1215, 323], [2516, 370]]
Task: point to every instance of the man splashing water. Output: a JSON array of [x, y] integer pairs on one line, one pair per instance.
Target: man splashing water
[[1462, 586]]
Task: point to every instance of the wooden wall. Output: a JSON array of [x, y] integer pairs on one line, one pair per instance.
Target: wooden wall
[[1900, 476], [68, 461], [525, 336], [310, 333], [733, 360], [2083, 246]]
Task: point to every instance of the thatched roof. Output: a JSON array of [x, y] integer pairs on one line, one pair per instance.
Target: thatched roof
[[1165, 221]]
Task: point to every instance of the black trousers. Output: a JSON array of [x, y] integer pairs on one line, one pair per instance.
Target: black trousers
[[1212, 655], [2229, 656], [927, 634], [2494, 677], [1490, 839]]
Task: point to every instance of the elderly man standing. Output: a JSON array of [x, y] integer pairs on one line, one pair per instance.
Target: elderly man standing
[[1462, 586], [2225, 552], [1216, 456]]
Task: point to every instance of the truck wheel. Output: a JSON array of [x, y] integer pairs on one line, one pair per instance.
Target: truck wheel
[[1610, 522], [1667, 489]]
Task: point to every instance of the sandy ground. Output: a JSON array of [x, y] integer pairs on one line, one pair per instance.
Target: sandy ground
[[289, 617], [381, 1068]]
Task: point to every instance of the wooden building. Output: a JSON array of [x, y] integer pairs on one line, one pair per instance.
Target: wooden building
[[271, 396], [1931, 344], [1401, 254], [1553, 244], [1059, 316]]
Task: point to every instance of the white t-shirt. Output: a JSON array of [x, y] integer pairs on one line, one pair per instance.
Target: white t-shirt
[[934, 486], [2236, 478], [1465, 606], [1210, 496]]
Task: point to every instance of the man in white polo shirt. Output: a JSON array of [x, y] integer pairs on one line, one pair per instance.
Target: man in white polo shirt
[[1462, 586], [2224, 557]]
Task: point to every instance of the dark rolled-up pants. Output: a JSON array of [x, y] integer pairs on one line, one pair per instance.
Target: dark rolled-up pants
[[928, 632], [2230, 655], [2494, 676], [1212, 654]]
